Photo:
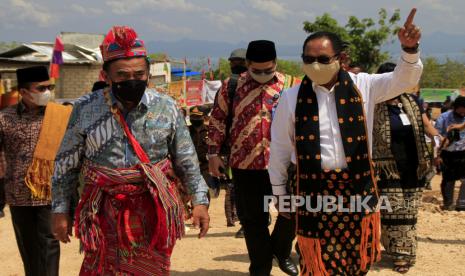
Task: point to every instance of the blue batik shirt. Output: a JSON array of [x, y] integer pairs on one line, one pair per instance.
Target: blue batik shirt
[[443, 122], [94, 134]]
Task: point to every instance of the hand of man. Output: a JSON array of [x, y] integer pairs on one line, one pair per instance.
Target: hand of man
[[459, 127], [61, 227], [437, 162], [214, 165], [409, 35], [201, 219], [284, 214]]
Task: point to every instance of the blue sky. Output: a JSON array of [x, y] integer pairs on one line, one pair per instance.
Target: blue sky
[[214, 20]]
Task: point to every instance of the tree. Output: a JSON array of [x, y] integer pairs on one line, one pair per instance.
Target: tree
[[450, 74], [289, 67], [364, 36], [158, 56]]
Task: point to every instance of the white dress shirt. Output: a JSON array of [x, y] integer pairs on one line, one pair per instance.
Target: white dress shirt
[[375, 88]]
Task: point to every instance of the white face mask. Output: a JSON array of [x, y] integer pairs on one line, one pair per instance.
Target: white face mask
[[41, 99], [320, 73], [262, 78]]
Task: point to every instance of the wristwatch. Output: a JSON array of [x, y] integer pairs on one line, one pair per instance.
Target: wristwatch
[[411, 50]]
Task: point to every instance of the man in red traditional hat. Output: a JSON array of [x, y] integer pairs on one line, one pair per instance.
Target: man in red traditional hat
[[134, 150]]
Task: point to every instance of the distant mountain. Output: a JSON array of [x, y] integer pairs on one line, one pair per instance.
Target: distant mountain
[[202, 48], [436, 44]]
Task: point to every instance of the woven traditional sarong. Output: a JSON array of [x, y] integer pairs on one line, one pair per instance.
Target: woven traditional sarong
[[128, 220]]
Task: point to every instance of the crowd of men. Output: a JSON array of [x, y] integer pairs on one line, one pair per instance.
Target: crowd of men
[[144, 171]]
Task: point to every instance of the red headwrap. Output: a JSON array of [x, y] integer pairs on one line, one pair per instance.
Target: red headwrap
[[122, 42]]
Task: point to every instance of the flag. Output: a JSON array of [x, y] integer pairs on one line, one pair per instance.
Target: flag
[[210, 69], [57, 58]]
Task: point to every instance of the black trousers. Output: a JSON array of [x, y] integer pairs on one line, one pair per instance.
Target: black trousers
[[2, 194], [251, 187], [39, 249]]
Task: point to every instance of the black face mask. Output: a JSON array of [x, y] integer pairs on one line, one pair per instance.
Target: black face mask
[[129, 90], [239, 69], [197, 123]]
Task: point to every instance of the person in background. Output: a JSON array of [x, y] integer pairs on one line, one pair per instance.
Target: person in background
[[24, 138], [446, 105], [257, 93], [402, 161], [355, 68], [99, 85], [452, 157], [237, 64], [2, 183], [199, 134]]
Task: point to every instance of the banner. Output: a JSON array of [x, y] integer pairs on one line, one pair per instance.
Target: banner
[[210, 88], [194, 92], [175, 90]]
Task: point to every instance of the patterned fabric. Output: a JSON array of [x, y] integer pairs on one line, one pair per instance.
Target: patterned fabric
[[230, 205], [353, 132], [19, 133], [347, 244], [443, 122], [2, 164], [93, 134], [122, 42], [143, 208], [250, 131], [398, 233], [39, 175], [385, 163]]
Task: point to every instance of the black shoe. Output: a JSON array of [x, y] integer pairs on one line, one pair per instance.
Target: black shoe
[[2, 214], [240, 234], [287, 266]]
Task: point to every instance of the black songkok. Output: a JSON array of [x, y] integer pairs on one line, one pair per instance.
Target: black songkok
[[261, 51], [32, 74]]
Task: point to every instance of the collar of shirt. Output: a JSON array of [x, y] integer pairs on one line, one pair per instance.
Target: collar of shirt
[[22, 108], [320, 88], [143, 104]]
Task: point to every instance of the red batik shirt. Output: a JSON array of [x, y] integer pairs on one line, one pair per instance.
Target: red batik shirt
[[250, 130]]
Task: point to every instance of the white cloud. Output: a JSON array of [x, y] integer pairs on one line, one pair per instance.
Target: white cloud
[[25, 11], [85, 11], [275, 9], [162, 28], [127, 7], [230, 19]]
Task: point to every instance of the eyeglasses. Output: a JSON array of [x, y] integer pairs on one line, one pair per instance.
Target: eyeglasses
[[268, 71], [43, 88], [319, 59]]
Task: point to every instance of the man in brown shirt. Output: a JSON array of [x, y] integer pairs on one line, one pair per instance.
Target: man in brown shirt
[[19, 132]]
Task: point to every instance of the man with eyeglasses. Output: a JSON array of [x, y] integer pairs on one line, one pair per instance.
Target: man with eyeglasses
[[257, 93], [325, 127], [136, 157], [20, 132]]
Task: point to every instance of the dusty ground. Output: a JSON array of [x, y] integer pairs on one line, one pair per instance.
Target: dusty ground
[[441, 246]]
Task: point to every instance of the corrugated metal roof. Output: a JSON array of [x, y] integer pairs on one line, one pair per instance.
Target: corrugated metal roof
[[39, 52]]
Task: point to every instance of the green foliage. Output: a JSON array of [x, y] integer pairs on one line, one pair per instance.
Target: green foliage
[[365, 36], [5, 46], [158, 56], [450, 74], [290, 67]]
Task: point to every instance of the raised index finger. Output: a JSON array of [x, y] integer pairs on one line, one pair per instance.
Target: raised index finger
[[410, 17]]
